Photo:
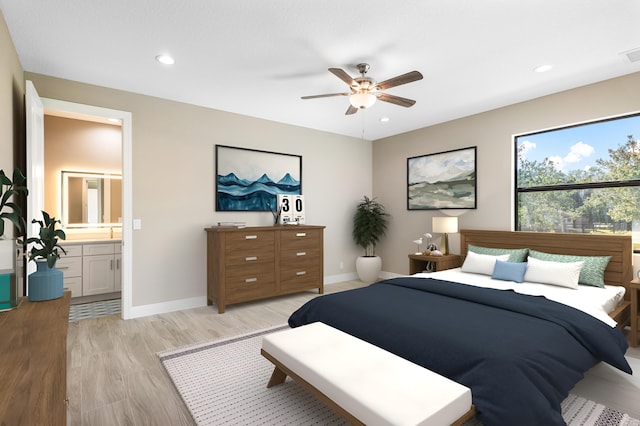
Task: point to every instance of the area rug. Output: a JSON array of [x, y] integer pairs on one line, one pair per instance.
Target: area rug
[[225, 383]]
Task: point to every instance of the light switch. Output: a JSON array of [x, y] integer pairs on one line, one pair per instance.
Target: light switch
[[137, 223]]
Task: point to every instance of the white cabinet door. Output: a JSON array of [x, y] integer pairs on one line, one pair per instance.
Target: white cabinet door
[[98, 274]]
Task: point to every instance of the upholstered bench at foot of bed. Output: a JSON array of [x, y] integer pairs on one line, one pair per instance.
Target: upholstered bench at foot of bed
[[362, 382]]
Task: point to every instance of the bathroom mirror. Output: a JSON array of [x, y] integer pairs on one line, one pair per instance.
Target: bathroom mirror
[[91, 199]]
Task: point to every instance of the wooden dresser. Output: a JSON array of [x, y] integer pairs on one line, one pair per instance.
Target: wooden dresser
[[262, 261], [33, 363]]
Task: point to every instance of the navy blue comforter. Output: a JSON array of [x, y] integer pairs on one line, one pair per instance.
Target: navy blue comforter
[[520, 355]]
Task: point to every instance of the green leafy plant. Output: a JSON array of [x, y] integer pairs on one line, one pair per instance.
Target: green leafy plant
[[369, 224], [46, 244], [8, 208]]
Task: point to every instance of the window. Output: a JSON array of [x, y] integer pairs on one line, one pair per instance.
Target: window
[[583, 178]]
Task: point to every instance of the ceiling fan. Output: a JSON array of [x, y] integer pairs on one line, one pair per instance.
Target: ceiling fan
[[365, 90]]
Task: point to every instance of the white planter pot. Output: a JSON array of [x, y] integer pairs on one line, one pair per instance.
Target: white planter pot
[[368, 268]]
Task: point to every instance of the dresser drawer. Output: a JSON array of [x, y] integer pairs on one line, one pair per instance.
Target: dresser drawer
[[70, 267], [248, 283], [300, 278], [299, 239], [300, 255], [247, 240], [250, 256]]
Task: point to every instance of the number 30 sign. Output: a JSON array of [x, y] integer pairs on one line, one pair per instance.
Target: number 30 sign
[[291, 209]]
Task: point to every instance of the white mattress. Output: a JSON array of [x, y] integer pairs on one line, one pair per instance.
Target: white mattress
[[595, 301]]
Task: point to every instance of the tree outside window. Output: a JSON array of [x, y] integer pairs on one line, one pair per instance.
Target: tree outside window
[[583, 178]]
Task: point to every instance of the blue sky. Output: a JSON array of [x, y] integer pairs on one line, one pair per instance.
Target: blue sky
[[577, 148]]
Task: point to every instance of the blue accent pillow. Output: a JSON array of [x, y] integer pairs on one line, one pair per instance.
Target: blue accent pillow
[[509, 271]]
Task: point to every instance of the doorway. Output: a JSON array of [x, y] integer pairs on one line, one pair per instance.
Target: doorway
[[82, 111]]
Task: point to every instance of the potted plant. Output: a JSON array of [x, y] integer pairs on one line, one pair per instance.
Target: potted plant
[[369, 225], [46, 283], [10, 210]]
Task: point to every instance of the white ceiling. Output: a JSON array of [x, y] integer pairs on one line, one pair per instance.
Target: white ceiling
[[258, 58]]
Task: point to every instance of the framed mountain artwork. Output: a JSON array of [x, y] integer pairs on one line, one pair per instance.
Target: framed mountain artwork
[[250, 180]]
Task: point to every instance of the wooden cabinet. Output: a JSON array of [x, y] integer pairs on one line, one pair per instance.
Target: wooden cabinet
[[424, 263], [33, 363], [259, 262]]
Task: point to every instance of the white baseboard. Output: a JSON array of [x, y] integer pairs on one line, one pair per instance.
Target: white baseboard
[[332, 279], [197, 302], [164, 307]]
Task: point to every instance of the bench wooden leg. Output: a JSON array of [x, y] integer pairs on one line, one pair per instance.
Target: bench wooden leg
[[277, 377]]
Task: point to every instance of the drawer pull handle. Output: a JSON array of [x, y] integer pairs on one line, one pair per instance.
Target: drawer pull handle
[[251, 237], [249, 258], [301, 273], [301, 234], [62, 267], [250, 280], [301, 253]]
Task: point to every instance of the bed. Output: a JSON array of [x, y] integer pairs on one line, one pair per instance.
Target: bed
[[519, 353]]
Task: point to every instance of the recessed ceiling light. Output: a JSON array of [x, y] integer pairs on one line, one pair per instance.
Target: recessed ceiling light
[[543, 68], [165, 59], [384, 120], [113, 120]]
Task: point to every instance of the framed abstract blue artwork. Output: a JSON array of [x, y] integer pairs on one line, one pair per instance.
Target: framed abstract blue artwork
[[446, 180], [250, 180]]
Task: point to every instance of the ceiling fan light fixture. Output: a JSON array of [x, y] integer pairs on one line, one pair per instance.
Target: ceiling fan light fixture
[[362, 99]]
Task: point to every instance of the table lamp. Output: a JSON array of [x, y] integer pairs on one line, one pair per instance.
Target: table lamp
[[444, 226]]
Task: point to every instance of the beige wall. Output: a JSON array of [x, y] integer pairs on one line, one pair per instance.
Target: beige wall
[[492, 133], [12, 89], [173, 183], [79, 146]]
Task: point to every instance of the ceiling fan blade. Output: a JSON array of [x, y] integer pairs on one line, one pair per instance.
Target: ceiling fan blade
[[396, 100], [325, 96], [351, 110], [342, 75], [399, 80]]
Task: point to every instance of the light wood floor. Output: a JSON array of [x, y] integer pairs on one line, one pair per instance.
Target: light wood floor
[[114, 376]]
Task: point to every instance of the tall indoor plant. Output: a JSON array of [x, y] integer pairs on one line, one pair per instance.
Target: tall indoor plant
[[9, 209], [46, 283], [10, 188], [369, 225]]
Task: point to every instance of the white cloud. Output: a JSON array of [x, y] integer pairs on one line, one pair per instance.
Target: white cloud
[[558, 162], [526, 146], [579, 152]]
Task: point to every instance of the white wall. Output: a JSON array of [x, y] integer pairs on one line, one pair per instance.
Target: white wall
[[492, 133], [173, 185]]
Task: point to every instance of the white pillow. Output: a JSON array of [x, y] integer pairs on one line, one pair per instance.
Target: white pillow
[[564, 274], [481, 263]]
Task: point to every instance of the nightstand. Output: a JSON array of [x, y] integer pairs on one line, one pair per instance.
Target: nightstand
[[422, 263], [634, 287]]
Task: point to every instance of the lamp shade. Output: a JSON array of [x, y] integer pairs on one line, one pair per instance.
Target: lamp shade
[[362, 99], [445, 225]]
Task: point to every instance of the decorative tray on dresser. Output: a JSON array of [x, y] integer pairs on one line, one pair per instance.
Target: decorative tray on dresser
[[251, 263]]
